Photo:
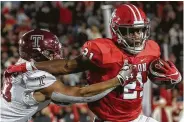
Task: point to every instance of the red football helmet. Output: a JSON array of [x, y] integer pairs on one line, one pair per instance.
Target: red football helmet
[[40, 45], [130, 28]]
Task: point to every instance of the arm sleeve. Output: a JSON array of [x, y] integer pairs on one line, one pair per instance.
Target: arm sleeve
[[38, 79], [58, 97]]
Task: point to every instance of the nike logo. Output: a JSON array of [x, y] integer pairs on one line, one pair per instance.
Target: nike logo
[[143, 59]]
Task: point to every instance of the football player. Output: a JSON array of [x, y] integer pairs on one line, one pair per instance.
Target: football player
[[26, 93], [129, 45]]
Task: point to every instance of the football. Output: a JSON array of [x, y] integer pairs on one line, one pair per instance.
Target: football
[[163, 73]]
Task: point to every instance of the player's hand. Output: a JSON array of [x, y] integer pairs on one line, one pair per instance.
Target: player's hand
[[164, 71], [24, 67], [127, 74]]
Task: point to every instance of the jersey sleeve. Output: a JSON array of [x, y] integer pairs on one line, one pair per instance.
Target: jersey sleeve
[[35, 80], [97, 52]]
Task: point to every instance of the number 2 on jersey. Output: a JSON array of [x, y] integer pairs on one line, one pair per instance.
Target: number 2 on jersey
[[133, 95], [85, 53]]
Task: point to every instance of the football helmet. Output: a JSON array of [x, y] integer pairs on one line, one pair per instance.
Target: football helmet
[[40, 45], [130, 28]]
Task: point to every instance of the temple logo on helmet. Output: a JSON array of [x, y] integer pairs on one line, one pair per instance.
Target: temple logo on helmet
[[36, 39]]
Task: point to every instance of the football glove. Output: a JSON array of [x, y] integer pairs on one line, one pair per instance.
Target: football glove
[[165, 72], [127, 74]]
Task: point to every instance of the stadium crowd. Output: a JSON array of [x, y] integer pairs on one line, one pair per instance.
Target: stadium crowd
[[76, 22]]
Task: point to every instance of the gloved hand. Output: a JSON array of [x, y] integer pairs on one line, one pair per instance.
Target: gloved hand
[[127, 74], [24, 67], [161, 71]]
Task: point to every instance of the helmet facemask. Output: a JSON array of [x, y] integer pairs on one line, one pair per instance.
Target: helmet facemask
[[50, 55], [132, 38]]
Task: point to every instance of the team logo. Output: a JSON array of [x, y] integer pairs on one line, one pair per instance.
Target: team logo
[[41, 80], [36, 39]]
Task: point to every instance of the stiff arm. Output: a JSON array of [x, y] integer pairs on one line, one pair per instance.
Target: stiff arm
[[62, 93], [64, 66]]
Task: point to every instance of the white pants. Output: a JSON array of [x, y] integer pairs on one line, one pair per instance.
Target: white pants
[[140, 118]]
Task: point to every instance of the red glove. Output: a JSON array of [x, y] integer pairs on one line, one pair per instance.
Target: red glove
[[24, 67], [164, 72]]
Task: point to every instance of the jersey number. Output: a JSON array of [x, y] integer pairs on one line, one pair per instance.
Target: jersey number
[[85, 53], [127, 89], [6, 91]]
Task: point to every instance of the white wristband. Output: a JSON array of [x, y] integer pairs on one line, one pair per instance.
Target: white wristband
[[33, 65], [30, 66]]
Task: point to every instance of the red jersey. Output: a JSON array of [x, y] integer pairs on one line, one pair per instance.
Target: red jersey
[[124, 103]]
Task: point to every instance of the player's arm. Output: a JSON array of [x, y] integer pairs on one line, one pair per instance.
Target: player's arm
[[57, 66], [160, 71], [57, 91], [85, 61], [62, 93], [64, 66], [90, 57], [45, 83]]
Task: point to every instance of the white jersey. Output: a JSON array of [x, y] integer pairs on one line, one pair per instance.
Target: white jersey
[[17, 102]]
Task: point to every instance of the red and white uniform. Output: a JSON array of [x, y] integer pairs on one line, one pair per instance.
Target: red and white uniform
[[17, 104], [124, 103]]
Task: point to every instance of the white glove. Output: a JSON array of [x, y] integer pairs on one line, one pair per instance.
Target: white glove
[[127, 74]]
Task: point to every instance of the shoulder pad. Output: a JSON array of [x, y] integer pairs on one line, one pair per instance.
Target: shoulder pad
[[151, 48], [100, 51]]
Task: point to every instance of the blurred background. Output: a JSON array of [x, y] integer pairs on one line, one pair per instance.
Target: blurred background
[[75, 23]]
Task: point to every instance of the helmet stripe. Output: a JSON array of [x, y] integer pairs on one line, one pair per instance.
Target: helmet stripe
[[137, 12], [132, 11]]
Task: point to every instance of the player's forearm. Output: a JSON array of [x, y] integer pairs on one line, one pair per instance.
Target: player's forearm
[[59, 66], [89, 90], [98, 87], [85, 94], [39, 97]]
